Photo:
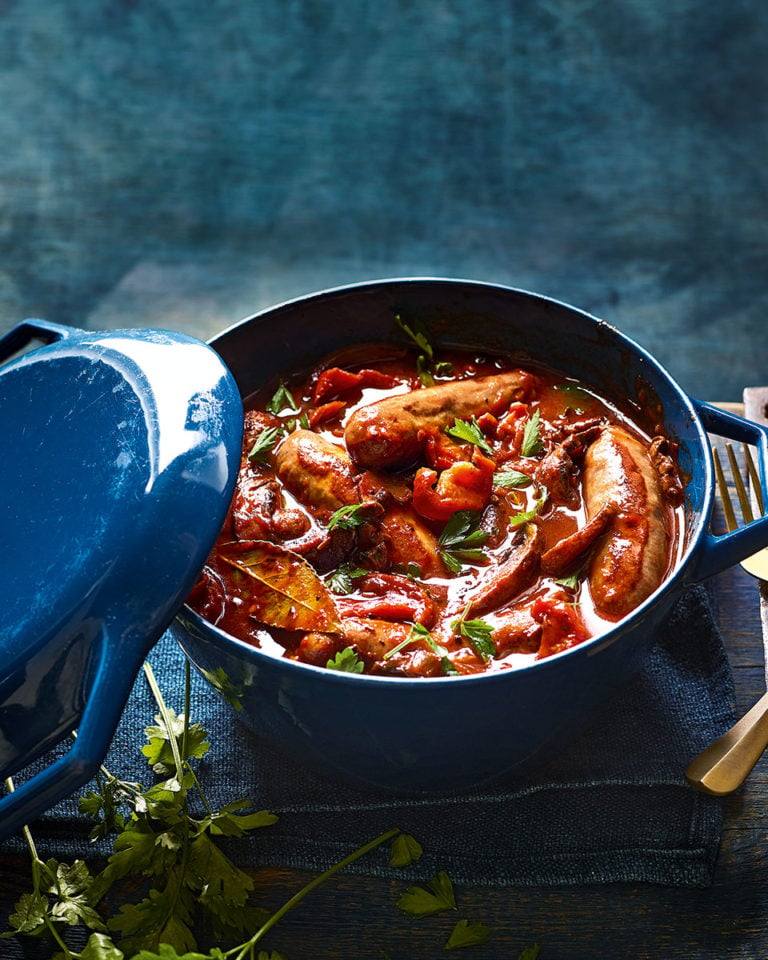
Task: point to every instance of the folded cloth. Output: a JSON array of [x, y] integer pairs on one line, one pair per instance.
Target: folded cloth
[[612, 805]]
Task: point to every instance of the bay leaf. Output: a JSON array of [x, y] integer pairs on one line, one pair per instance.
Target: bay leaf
[[282, 590]]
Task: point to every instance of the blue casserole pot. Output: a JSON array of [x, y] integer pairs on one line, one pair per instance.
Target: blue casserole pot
[[411, 735], [118, 456]]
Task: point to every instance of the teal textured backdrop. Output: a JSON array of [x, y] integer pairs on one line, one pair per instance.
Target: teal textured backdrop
[[183, 163]]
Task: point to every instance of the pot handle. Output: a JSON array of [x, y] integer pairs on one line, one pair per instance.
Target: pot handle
[[717, 553], [25, 332], [120, 659]]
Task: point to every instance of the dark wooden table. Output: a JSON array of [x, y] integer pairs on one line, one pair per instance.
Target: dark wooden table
[[356, 917]]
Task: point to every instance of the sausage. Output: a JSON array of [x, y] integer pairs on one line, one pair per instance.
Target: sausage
[[392, 432], [630, 560], [560, 558], [517, 570], [317, 471]]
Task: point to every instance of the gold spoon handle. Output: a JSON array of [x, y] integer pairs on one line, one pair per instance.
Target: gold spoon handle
[[726, 764]]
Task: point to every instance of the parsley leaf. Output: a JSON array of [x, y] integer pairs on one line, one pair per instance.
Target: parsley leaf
[[159, 750], [405, 849], [508, 478], [525, 516], [466, 934], [282, 399], [351, 516], [436, 897], [418, 332], [427, 367], [480, 636], [263, 445], [532, 443], [417, 632], [340, 580], [29, 914], [470, 432], [570, 582], [346, 661], [530, 953], [460, 540]]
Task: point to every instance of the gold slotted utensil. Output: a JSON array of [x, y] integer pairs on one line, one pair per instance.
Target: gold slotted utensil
[[757, 564], [724, 766]]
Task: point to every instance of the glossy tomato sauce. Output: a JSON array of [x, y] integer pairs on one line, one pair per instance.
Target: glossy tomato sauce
[[428, 518]]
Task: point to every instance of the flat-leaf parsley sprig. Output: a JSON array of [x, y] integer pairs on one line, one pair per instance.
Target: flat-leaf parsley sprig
[[167, 837], [461, 539]]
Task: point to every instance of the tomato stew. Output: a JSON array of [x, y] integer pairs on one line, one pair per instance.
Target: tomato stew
[[423, 518]]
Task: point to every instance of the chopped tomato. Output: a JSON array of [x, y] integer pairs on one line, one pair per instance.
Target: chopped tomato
[[561, 625], [463, 486]]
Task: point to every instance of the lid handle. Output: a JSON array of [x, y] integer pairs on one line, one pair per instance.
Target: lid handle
[[117, 668], [25, 332]]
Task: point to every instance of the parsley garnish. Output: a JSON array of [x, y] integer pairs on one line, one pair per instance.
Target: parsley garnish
[[295, 423], [525, 516], [532, 443], [570, 582], [263, 445], [576, 393], [479, 633], [461, 539], [346, 661], [436, 897], [470, 432], [508, 477], [405, 849], [418, 332], [349, 517], [419, 632], [170, 846], [530, 953], [466, 934], [412, 570], [282, 399], [341, 579], [426, 365]]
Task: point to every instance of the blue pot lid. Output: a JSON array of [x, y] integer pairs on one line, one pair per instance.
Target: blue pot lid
[[118, 457]]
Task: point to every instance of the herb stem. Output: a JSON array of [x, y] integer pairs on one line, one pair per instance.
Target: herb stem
[[167, 720], [126, 787], [27, 833], [37, 864], [309, 887]]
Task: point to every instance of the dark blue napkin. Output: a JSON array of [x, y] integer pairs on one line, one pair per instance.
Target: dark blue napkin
[[612, 805]]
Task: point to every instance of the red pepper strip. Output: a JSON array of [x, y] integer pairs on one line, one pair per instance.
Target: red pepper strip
[[334, 381], [327, 411], [463, 486], [377, 379], [561, 625], [388, 596]]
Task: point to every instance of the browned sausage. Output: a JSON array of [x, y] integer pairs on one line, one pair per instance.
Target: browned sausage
[[516, 571], [630, 560], [316, 470], [391, 432]]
